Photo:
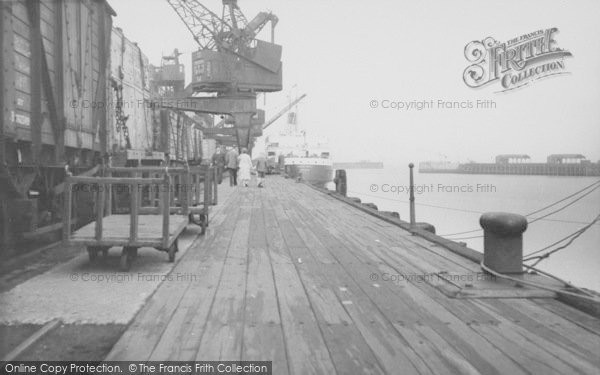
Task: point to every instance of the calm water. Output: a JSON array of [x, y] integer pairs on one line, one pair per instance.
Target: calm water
[[461, 199]]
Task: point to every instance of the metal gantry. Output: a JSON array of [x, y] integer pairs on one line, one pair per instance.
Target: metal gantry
[[230, 63]]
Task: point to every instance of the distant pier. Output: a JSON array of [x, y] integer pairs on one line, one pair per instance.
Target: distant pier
[[557, 165]]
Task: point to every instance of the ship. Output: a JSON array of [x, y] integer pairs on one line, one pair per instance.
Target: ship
[[438, 167], [363, 164], [575, 165], [297, 155]]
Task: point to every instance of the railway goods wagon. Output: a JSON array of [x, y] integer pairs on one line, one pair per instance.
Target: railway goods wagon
[[134, 135], [184, 136], [55, 68], [140, 133], [130, 79], [75, 91]]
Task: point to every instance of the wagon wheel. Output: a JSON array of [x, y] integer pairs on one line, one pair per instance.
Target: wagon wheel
[[127, 256], [92, 253], [172, 250]]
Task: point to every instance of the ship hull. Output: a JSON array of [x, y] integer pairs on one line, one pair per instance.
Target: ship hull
[[359, 165], [319, 175]]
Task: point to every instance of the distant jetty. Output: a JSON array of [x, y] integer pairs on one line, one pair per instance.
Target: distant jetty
[[363, 164], [519, 164]]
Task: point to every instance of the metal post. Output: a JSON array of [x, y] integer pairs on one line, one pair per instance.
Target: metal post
[[412, 196], [341, 182]]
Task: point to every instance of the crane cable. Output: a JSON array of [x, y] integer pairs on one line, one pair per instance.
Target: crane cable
[[537, 211]]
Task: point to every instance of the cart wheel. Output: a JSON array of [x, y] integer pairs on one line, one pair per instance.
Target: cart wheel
[[126, 258], [172, 250], [203, 223], [92, 253]]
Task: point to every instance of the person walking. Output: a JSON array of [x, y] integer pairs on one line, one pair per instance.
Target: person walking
[[218, 161], [231, 160], [261, 169], [245, 164]]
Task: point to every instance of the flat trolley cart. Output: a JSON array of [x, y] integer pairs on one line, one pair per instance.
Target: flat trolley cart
[[193, 190], [159, 209]]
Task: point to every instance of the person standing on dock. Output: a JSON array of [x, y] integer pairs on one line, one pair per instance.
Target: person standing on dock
[[261, 169], [231, 160], [218, 161], [245, 164]]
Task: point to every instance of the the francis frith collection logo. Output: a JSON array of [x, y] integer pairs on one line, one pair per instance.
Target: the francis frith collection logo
[[515, 63]]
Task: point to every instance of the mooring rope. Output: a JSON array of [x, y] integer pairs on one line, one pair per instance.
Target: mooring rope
[[573, 236], [539, 210]]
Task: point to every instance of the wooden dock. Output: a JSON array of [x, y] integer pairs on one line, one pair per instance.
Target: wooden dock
[[294, 276]]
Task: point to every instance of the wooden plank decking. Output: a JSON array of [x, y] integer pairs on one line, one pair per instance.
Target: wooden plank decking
[[293, 276], [116, 230]]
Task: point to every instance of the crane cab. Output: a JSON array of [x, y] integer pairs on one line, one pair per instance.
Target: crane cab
[[258, 70]]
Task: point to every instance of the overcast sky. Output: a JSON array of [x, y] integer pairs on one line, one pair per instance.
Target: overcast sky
[[346, 53]]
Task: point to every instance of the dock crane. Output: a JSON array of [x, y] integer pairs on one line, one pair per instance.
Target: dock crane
[[231, 64], [283, 111], [220, 131]]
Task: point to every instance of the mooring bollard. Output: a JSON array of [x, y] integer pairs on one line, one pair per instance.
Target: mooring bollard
[[425, 226], [503, 241], [372, 206], [341, 186], [412, 195]]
